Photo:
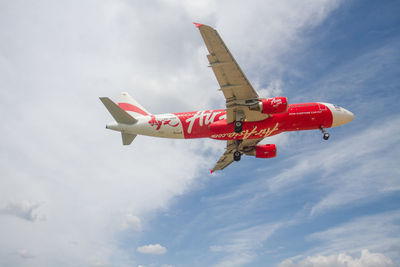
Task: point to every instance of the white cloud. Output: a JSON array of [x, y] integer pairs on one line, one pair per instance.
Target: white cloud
[[366, 259], [241, 246], [26, 210], [343, 173], [156, 249], [273, 89], [235, 260], [380, 232], [25, 254], [54, 66], [132, 222], [99, 264], [337, 246], [354, 155]]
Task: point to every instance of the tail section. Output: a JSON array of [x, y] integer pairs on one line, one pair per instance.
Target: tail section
[[118, 113], [130, 105], [120, 116], [127, 138]]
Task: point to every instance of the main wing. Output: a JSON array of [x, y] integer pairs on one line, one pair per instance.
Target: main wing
[[244, 146], [238, 92]]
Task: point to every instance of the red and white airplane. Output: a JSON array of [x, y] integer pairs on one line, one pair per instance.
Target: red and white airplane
[[245, 121]]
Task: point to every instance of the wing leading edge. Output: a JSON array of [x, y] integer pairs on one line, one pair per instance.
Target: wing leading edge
[[239, 93]]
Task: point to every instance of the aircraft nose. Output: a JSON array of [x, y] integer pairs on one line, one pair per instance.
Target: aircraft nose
[[341, 116]]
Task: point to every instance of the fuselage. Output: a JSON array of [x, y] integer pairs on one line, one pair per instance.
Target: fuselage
[[213, 124]]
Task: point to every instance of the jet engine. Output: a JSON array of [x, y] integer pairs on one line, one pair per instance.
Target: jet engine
[[272, 105], [263, 151]]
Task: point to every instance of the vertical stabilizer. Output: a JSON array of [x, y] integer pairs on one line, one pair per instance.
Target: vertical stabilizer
[[129, 104], [118, 113], [120, 116]]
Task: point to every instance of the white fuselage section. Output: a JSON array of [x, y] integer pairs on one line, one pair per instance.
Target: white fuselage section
[[162, 125]]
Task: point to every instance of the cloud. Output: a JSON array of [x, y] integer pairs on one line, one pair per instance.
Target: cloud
[[156, 249], [274, 89], [342, 173], [25, 254], [366, 259], [337, 245], [380, 232], [235, 260], [87, 179], [132, 222], [358, 177], [26, 210], [99, 264], [240, 247]]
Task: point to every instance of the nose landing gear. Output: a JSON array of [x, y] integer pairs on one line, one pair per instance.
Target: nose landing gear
[[325, 134]]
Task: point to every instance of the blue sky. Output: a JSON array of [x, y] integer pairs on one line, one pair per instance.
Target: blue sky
[[350, 59], [71, 195]]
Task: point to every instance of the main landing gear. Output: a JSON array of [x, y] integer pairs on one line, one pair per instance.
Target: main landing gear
[[325, 134], [236, 155], [238, 126]]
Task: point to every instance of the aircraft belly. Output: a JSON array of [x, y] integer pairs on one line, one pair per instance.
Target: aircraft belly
[[251, 130]]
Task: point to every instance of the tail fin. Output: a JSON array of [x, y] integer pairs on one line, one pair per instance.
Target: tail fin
[[118, 113], [120, 116], [127, 103]]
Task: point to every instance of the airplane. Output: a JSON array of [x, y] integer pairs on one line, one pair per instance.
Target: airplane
[[246, 120]]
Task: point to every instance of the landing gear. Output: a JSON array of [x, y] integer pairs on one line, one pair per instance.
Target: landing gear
[[325, 134], [236, 155], [238, 126]]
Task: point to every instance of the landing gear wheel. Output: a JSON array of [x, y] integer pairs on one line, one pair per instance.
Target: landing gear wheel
[[236, 156], [325, 134], [238, 126]]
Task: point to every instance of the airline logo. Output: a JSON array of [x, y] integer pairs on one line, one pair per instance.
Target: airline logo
[[276, 102], [158, 123], [204, 118]]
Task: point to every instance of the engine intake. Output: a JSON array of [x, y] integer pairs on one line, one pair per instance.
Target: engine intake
[[272, 105]]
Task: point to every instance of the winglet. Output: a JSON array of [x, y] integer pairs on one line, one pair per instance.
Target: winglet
[[211, 171], [198, 25]]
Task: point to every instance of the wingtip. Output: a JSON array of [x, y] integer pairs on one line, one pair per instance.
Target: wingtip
[[198, 25], [211, 171]]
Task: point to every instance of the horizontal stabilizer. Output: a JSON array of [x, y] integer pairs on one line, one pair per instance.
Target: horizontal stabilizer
[[127, 138], [119, 115]]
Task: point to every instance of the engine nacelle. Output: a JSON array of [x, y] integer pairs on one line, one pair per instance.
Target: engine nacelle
[[272, 105], [265, 151]]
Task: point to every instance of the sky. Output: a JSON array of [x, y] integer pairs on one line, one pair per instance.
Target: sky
[[72, 195]]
